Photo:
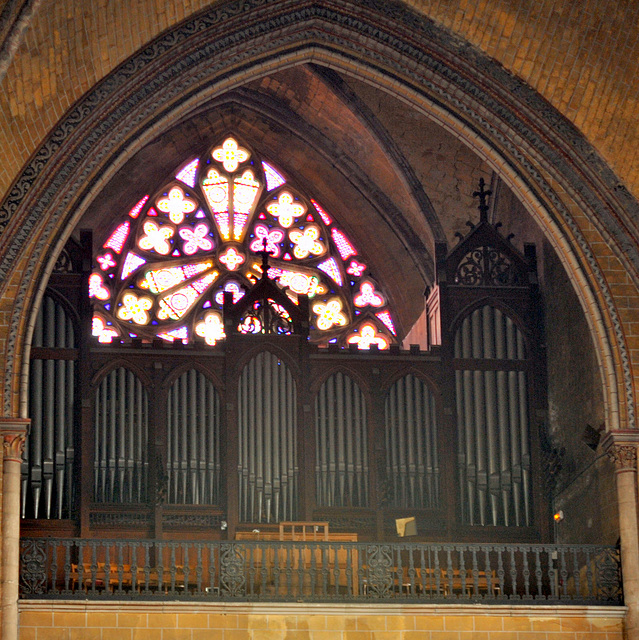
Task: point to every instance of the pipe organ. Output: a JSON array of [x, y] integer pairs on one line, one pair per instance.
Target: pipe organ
[[120, 464], [267, 433], [412, 462], [341, 449], [193, 440], [160, 438], [492, 421], [49, 457]]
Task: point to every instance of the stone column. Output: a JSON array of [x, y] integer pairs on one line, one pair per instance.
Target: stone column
[[624, 456], [13, 434]]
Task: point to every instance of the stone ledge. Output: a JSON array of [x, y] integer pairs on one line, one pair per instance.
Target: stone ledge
[[294, 608]]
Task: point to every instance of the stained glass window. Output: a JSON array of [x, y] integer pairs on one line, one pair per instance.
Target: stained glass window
[[162, 268]]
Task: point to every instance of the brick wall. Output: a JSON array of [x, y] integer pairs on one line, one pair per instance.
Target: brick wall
[[166, 621]]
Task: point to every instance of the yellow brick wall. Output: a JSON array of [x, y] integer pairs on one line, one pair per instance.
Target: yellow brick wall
[[583, 57], [173, 621]]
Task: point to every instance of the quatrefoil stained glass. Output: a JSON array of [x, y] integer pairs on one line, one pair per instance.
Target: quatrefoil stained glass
[[163, 268]]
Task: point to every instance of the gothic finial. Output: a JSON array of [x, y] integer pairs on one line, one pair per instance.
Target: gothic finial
[[265, 253], [483, 200]]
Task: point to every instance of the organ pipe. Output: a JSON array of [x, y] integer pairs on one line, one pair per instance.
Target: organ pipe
[[193, 431], [411, 436], [267, 458], [342, 443], [121, 408], [47, 469], [492, 420]]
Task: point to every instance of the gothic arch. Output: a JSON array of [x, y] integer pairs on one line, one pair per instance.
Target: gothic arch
[[546, 161]]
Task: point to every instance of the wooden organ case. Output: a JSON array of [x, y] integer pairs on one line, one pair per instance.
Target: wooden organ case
[[173, 441]]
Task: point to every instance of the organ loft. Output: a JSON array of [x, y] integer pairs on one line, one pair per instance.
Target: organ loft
[[230, 362]]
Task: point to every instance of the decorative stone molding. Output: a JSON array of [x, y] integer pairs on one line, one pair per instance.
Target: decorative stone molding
[[621, 448], [624, 456], [14, 436]]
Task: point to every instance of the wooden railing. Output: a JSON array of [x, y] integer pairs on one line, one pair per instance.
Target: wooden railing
[[318, 571]]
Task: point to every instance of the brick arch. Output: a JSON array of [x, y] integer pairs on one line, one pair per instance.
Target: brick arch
[[550, 166]]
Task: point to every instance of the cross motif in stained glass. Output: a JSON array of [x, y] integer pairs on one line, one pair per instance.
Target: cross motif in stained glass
[[135, 308], [285, 209], [176, 205], [230, 155], [329, 315], [156, 237]]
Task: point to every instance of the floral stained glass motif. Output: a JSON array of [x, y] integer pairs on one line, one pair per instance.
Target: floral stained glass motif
[[154, 274], [176, 205], [286, 210], [106, 261], [156, 237], [230, 155], [196, 239], [211, 328], [329, 315], [97, 288], [368, 296], [102, 331], [273, 238], [367, 336], [135, 308], [232, 259], [306, 242]]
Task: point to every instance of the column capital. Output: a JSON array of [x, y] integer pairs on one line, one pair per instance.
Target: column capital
[[621, 447], [13, 432]]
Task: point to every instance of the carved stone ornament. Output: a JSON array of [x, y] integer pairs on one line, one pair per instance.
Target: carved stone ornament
[[13, 446], [624, 456]]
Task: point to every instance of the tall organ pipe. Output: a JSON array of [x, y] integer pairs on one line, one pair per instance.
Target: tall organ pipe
[[193, 427], [48, 461], [492, 414], [267, 457], [411, 433], [120, 409], [342, 450]]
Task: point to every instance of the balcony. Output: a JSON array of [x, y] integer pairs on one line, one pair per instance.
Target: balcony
[[318, 571]]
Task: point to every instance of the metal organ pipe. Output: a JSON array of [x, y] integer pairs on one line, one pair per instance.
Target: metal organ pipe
[[492, 414], [342, 450], [267, 462], [411, 432], [47, 468], [121, 418], [193, 428]]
